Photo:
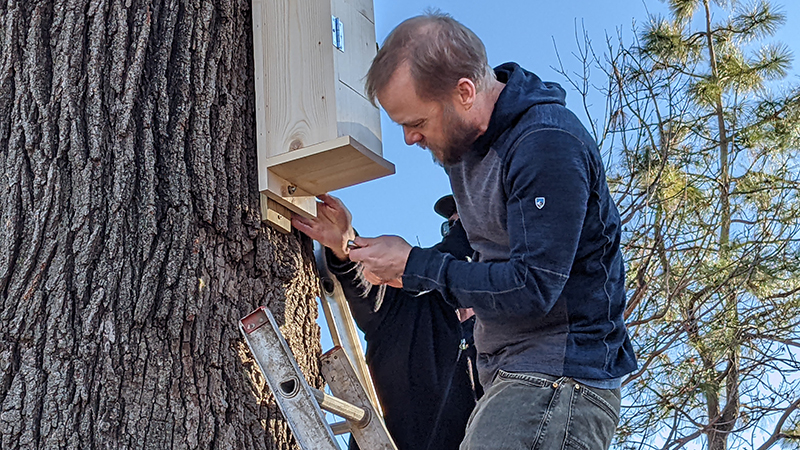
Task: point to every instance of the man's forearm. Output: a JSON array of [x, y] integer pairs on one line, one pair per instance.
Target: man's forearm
[[510, 287]]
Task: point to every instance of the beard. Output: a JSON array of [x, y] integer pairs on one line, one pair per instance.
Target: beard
[[459, 137]]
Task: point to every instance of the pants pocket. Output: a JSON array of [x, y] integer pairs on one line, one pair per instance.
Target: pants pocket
[[513, 413], [594, 415], [526, 378]]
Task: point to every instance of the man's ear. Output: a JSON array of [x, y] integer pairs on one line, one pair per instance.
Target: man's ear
[[466, 93]]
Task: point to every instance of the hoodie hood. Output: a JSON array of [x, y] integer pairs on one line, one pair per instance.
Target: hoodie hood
[[523, 90]]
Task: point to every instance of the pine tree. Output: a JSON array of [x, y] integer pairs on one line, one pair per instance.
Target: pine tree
[[703, 138]]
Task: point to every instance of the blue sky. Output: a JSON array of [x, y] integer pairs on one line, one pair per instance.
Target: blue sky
[[526, 32]]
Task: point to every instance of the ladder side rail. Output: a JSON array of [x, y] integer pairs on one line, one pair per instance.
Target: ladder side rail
[[338, 371], [327, 286], [342, 325], [292, 392]]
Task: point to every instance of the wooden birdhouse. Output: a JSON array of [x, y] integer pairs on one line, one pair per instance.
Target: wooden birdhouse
[[316, 130]]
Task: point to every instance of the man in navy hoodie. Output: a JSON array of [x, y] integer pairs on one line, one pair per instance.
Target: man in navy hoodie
[[548, 283]]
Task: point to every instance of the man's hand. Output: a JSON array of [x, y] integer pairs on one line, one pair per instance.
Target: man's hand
[[383, 257], [332, 227], [375, 280]]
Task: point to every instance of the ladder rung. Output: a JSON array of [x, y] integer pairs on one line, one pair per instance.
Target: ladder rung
[[340, 427], [349, 411]]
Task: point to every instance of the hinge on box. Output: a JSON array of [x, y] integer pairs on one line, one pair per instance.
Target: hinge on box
[[337, 29]]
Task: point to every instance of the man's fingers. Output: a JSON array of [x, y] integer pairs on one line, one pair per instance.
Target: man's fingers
[[332, 214], [296, 218], [323, 211], [396, 283], [385, 256], [362, 251], [330, 201], [356, 254], [310, 227], [335, 206], [336, 214], [372, 278], [301, 224], [326, 198]]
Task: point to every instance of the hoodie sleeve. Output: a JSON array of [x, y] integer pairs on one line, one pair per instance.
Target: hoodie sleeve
[[548, 186]]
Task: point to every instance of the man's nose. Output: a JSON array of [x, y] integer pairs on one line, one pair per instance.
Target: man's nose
[[411, 136]]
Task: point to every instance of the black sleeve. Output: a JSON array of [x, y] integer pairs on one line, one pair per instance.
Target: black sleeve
[[368, 303]]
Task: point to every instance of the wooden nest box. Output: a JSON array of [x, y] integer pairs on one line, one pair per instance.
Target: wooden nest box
[[316, 130]]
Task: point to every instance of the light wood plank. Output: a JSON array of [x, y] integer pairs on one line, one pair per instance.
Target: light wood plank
[[291, 196], [355, 115], [331, 165], [295, 93], [364, 7], [276, 215]]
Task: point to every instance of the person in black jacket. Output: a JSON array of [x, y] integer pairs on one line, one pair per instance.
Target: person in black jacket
[[421, 355]]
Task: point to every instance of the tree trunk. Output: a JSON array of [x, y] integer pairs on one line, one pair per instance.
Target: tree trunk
[[723, 422], [131, 238]]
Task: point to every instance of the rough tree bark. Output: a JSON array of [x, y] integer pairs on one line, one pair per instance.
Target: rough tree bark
[[131, 242]]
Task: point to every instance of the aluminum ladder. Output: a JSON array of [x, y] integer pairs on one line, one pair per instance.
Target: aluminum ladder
[[301, 404]]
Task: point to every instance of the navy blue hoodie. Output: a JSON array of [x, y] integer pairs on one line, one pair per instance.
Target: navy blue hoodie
[[548, 282]]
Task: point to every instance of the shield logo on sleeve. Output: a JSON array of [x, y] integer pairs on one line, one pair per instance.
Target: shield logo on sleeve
[[539, 202]]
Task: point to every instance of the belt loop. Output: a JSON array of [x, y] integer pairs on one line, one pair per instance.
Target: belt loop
[[559, 382]]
